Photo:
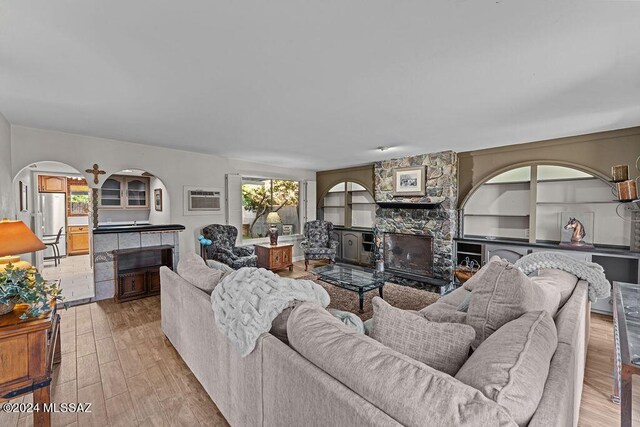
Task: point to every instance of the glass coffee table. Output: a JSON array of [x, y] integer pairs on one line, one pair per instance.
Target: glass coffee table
[[352, 278], [626, 321]]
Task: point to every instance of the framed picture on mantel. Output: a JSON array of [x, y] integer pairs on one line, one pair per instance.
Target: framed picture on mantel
[[409, 181]]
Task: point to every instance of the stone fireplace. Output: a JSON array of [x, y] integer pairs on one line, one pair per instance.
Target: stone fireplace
[[432, 216], [408, 255]]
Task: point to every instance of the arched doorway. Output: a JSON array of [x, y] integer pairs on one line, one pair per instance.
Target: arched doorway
[[54, 200]]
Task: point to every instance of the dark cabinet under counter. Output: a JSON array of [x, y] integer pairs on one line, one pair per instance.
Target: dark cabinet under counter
[[137, 271]]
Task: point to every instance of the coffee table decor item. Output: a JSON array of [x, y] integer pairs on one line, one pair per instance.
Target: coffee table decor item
[[353, 278]]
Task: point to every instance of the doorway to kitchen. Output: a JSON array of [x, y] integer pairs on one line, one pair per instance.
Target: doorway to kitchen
[[54, 200]]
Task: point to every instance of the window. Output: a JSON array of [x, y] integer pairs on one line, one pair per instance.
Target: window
[[262, 196]]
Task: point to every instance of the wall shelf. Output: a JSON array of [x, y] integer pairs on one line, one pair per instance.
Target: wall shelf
[[576, 203], [500, 215]]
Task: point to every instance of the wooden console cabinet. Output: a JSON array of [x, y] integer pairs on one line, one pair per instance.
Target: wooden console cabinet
[[275, 257], [138, 271], [28, 350]]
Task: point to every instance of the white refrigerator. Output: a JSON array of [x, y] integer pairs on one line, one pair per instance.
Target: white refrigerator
[[54, 209]]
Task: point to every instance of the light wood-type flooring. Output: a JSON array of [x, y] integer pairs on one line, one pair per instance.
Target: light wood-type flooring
[[115, 356]]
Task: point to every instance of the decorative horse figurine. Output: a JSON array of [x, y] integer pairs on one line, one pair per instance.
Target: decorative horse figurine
[[577, 238]]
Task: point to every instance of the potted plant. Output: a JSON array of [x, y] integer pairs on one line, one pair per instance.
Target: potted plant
[[26, 286]]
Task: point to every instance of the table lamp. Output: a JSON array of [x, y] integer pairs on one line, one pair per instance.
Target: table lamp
[[273, 219], [16, 238]]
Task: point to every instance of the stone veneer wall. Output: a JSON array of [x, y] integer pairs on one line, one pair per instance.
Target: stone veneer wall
[[105, 244], [439, 223]]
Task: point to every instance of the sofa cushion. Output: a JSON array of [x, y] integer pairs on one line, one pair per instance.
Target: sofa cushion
[[512, 365], [194, 270], [408, 391], [563, 281], [443, 346], [503, 293]]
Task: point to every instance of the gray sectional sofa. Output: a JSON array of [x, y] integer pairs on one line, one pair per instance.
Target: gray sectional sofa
[[346, 385]]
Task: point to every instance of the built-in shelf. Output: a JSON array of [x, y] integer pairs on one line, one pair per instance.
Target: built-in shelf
[[575, 203], [508, 183], [499, 215], [468, 253]]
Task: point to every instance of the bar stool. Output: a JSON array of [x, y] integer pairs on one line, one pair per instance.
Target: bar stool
[[54, 247]]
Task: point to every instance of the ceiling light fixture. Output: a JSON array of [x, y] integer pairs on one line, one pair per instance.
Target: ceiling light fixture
[[383, 148]]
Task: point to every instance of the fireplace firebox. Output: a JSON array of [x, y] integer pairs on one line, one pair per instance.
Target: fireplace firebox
[[408, 255]]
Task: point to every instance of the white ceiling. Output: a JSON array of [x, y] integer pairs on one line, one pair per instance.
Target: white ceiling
[[320, 84]]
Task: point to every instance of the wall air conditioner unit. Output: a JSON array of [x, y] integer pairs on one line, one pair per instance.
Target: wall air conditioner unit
[[204, 201]]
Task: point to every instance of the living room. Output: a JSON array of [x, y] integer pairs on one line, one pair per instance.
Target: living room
[[374, 160]]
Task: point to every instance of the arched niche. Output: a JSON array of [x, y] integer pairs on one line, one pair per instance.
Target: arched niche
[[348, 204], [528, 202]]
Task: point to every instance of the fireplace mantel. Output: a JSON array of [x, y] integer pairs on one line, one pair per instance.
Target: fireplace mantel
[[429, 204]]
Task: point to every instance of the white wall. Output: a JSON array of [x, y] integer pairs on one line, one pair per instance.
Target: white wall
[[164, 216], [6, 193], [174, 167]]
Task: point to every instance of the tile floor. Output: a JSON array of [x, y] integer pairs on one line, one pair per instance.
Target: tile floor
[[75, 274]]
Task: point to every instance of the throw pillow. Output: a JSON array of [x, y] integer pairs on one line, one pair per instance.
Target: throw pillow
[[563, 281], [220, 266], [478, 276], [443, 313], [193, 269], [503, 294], [464, 305], [512, 365], [279, 324], [443, 346]]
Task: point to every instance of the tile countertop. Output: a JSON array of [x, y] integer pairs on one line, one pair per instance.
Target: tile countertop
[[136, 228]]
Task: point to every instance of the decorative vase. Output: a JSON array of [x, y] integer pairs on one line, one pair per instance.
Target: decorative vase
[[8, 307], [273, 234]]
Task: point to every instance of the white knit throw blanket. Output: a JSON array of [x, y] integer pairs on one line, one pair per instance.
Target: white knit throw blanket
[[592, 273], [247, 300]]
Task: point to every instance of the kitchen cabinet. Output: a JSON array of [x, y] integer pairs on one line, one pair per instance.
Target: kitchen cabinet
[[124, 192], [77, 240], [52, 184]]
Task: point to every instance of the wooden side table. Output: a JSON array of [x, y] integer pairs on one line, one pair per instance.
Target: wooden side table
[[275, 257], [28, 350]]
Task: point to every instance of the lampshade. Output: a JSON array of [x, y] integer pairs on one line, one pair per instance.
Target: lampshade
[[273, 218], [16, 238]]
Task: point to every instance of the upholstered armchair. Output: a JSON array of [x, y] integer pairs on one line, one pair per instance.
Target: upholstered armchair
[[319, 242], [223, 247]]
